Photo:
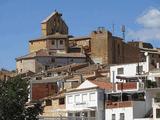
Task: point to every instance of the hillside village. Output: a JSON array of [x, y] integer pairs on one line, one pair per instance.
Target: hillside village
[[95, 77]]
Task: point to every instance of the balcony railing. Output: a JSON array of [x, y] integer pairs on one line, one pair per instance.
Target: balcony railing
[[119, 104], [157, 100]]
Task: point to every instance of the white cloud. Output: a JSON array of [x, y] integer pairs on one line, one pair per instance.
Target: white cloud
[[150, 19], [144, 34], [151, 26]]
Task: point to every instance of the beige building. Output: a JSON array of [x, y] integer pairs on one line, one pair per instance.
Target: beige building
[[42, 60], [54, 35], [54, 106], [5, 74], [51, 49]]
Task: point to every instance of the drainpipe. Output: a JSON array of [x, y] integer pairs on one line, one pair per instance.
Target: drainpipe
[[113, 87]]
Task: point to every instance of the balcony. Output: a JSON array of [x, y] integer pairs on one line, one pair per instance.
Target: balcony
[[157, 100], [110, 105]]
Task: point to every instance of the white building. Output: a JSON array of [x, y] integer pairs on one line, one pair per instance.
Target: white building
[[128, 70], [130, 105], [87, 100], [156, 109]]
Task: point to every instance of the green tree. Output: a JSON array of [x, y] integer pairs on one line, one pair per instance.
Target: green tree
[[13, 98]]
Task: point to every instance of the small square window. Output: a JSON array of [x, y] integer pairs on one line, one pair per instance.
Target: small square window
[[48, 102], [120, 71], [61, 101]]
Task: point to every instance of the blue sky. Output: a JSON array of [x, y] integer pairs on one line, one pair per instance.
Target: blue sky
[[20, 21]]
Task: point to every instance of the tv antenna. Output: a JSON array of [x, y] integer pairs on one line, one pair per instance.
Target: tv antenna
[[123, 31]]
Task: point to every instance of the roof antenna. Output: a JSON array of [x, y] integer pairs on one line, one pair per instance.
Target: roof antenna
[[123, 31], [113, 29]]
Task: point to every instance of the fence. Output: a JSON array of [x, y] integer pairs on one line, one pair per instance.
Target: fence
[[67, 118]]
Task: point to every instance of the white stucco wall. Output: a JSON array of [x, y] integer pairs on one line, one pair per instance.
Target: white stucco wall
[[128, 111], [80, 104], [96, 102], [129, 70], [137, 110]]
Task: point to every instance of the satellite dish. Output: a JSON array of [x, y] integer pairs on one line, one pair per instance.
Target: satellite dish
[[146, 53]]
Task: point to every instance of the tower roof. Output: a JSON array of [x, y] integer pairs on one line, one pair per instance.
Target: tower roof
[[50, 16]]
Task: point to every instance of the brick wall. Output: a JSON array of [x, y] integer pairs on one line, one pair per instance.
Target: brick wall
[[41, 90]]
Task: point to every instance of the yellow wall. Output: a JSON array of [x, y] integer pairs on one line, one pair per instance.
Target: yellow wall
[[51, 110], [44, 29], [37, 45]]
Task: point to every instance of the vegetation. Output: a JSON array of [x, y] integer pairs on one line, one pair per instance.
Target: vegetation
[[13, 98]]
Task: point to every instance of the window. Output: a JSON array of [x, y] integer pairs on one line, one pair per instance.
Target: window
[[20, 70], [84, 97], [52, 60], [121, 116], [85, 114], [46, 67], [61, 42], [70, 114], [53, 42], [77, 114], [93, 113], [139, 69], [92, 96], [71, 60], [120, 71], [70, 99], [38, 78], [77, 98], [157, 113], [48, 102], [113, 116], [61, 101]]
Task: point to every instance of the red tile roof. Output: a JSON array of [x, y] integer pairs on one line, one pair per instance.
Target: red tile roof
[[103, 85]]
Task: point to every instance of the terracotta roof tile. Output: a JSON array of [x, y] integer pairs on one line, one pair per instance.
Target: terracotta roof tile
[[103, 85]]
